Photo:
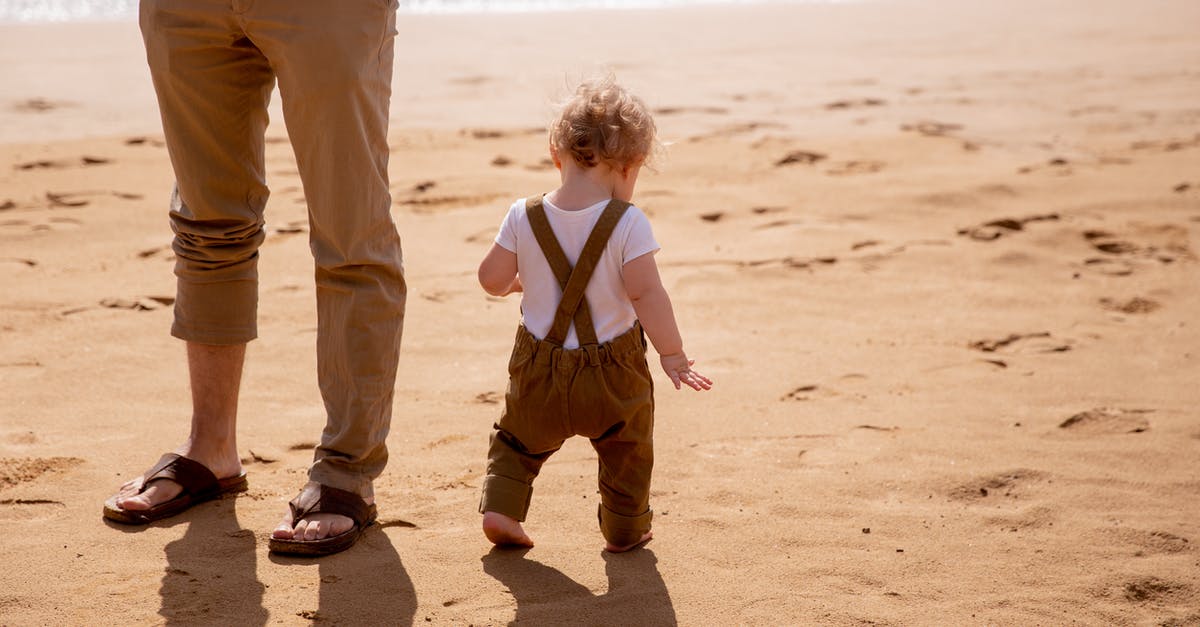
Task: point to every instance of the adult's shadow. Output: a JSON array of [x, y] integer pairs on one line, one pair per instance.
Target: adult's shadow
[[211, 575], [637, 594], [365, 584]]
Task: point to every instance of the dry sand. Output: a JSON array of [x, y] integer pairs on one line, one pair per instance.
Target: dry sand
[[939, 258]]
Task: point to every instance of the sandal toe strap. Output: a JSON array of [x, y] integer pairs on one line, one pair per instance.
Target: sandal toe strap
[[195, 478], [323, 499]]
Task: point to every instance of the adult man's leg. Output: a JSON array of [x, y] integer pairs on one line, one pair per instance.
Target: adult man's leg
[[212, 85], [334, 64], [216, 374]]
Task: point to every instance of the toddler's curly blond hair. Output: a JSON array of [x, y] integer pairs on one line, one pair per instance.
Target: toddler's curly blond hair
[[603, 123]]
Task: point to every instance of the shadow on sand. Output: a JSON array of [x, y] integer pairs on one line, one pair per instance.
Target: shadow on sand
[[364, 585], [636, 593], [211, 575]]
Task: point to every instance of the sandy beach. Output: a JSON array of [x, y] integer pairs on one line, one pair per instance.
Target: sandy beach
[[939, 258]]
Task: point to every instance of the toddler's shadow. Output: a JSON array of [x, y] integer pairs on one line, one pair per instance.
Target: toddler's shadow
[[637, 594]]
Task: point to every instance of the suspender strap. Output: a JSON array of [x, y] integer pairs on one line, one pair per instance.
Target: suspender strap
[[557, 259], [573, 281]]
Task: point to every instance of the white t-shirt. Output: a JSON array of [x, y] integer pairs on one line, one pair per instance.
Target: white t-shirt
[[612, 311]]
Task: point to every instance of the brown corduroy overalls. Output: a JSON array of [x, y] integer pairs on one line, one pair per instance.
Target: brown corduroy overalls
[[601, 391]]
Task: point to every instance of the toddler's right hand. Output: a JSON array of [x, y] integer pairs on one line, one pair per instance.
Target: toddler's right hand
[[679, 368]]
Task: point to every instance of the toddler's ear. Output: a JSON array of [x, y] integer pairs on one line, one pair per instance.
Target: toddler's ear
[[554, 157]]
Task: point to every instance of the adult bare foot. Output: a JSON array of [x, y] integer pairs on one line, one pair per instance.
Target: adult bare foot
[[221, 461], [612, 548], [504, 531], [314, 526]]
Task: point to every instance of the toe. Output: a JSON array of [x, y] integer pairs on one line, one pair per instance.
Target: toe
[[284, 530], [137, 502], [313, 531]]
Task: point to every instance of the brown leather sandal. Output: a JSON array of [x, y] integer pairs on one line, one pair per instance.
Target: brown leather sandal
[[198, 482], [316, 498]]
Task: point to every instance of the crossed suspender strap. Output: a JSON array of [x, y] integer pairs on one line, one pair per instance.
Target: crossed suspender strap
[[573, 281]]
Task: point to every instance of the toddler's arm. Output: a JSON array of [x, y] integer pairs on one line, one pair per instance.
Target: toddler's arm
[[498, 272], [653, 308]]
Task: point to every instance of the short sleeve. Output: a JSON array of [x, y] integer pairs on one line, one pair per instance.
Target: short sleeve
[[507, 237], [640, 239]]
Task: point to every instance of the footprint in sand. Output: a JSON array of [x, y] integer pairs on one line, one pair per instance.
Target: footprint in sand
[[803, 157], [501, 161], [1058, 166], [444, 440], [735, 130], [787, 262], [39, 105], [774, 224], [1152, 589], [1038, 517], [1023, 343], [431, 204], [59, 164], [813, 391], [291, 228], [20, 470], [930, 128], [65, 200], [1109, 267], [801, 393], [995, 229], [855, 103], [1011, 483], [1135, 305], [1106, 420], [1167, 145], [694, 109], [851, 168], [1151, 542], [1162, 243], [138, 303], [163, 252], [26, 510]]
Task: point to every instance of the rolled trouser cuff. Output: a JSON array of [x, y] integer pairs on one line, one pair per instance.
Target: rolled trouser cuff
[[507, 496], [621, 530], [222, 313], [329, 475]]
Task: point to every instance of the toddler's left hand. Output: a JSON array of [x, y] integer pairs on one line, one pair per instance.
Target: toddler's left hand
[[679, 368]]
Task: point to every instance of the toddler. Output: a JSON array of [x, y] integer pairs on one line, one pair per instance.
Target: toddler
[[583, 257]]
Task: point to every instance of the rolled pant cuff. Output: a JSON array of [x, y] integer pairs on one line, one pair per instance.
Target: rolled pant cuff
[[225, 337], [222, 313], [507, 496], [350, 482], [623, 530]]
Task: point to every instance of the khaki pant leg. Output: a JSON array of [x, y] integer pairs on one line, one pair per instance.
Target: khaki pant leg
[[213, 86], [334, 64]]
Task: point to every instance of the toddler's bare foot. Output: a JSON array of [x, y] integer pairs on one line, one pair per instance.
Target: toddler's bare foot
[[612, 548], [504, 531]]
